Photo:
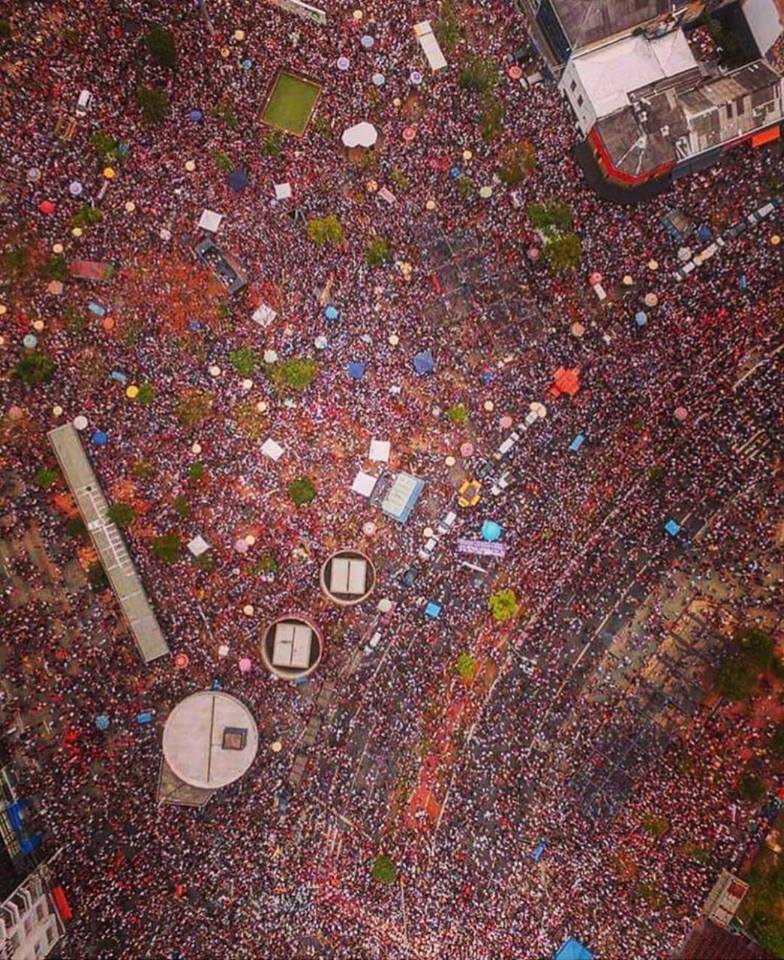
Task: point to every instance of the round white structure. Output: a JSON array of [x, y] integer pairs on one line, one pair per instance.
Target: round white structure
[[210, 740]]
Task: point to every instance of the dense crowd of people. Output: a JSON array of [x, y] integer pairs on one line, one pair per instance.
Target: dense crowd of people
[[239, 878]]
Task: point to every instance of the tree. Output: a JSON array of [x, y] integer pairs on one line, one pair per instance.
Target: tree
[[464, 186], [173, 290], [479, 74], [153, 103], [97, 577], [735, 680], [86, 216], [563, 253], [122, 514], [553, 215], [46, 477], [517, 161], [465, 665], [457, 413], [291, 375], [75, 527], [160, 42], [54, 268], [757, 647], [384, 869], [655, 826], [181, 506], [376, 251], [448, 28], [503, 605], [301, 491], [34, 369], [768, 931], [196, 471], [107, 149], [245, 361], [751, 788], [491, 116], [167, 548], [322, 230], [194, 406], [146, 394], [776, 743]]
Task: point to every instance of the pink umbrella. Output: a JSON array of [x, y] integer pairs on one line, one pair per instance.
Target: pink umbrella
[[515, 72], [595, 278], [181, 661], [408, 134], [245, 665], [369, 528], [505, 422], [241, 546], [533, 253], [466, 449], [681, 414]]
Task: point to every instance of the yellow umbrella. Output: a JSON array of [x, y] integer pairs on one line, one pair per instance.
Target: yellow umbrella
[[108, 172], [132, 392]]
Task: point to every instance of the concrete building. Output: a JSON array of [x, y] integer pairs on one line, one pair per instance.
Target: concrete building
[[648, 106], [291, 647], [347, 577], [210, 740], [30, 923]]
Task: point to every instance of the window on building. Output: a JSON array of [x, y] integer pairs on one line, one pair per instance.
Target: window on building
[[573, 85], [580, 101]]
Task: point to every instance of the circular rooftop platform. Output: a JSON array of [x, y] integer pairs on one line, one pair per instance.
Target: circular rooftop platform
[[210, 739], [348, 577], [291, 646]]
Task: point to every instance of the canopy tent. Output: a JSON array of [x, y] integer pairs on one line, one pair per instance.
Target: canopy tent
[[238, 180], [574, 950], [491, 531], [356, 369], [423, 362], [362, 134]]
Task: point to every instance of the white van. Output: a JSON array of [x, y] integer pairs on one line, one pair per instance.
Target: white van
[[84, 103]]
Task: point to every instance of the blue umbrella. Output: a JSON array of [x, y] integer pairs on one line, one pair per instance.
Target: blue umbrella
[[196, 116], [194, 325], [247, 64], [491, 531], [367, 41], [356, 369], [423, 362], [238, 180], [704, 233], [331, 313], [30, 340], [454, 172], [641, 318], [487, 377], [100, 439], [102, 722]]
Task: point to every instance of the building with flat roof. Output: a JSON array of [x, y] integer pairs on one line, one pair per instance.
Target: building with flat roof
[[210, 739], [291, 647], [347, 577], [30, 923]]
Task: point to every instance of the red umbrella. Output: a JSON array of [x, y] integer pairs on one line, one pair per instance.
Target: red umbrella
[[46, 207]]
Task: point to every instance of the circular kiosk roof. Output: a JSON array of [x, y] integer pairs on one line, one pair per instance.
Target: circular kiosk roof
[[291, 647], [210, 739], [348, 577]]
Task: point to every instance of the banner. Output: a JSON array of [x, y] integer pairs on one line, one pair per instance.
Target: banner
[[482, 548], [303, 10]]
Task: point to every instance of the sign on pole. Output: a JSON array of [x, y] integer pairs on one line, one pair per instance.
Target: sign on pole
[[303, 10]]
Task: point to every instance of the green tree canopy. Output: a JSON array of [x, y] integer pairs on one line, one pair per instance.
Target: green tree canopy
[[301, 491], [34, 369], [504, 605], [479, 74], [457, 413], [245, 361], [46, 477], [153, 103], [465, 666], [122, 514], [160, 42], [384, 869], [292, 375], [168, 547], [376, 251], [552, 214], [563, 253], [323, 230]]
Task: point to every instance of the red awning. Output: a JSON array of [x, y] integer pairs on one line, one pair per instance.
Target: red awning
[[61, 902]]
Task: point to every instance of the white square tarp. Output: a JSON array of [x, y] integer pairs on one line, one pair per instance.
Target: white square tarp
[[379, 450], [198, 546], [263, 315], [270, 448], [364, 484], [282, 191], [210, 220]]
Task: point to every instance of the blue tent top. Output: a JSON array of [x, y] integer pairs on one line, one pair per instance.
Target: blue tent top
[[578, 441], [454, 172], [433, 610], [704, 233], [238, 180], [423, 362], [488, 376], [194, 325], [331, 313], [102, 722], [672, 527], [356, 369], [574, 950], [100, 439], [491, 530], [641, 318], [196, 116]]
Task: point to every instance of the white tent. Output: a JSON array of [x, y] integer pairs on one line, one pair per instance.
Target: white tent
[[362, 134]]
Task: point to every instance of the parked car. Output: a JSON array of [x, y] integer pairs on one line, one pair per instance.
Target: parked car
[[84, 103], [372, 643], [409, 576]]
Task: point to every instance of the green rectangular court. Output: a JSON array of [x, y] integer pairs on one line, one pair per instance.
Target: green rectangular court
[[291, 103]]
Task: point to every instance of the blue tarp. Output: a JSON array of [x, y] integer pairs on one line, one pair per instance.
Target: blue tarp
[[144, 717], [433, 610], [578, 441], [15, 814], [102, 722], [331, 313], [28, 844], [641, 318], [423, 362], [704, 233], [491, 531], [100, 439], [196, 116], [119, 376], [672, 527], [539, 851], [574, 950], [96, 308], [238, 180], [356, 369]]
